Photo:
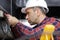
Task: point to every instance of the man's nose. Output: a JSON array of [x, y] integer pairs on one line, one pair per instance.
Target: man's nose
[[26, 16]]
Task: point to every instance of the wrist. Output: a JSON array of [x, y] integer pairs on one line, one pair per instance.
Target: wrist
[[14, 24]]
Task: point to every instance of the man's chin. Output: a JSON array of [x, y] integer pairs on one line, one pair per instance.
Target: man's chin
[[32, 23]]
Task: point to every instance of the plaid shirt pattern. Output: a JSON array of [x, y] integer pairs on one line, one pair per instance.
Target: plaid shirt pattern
[[25, 33]]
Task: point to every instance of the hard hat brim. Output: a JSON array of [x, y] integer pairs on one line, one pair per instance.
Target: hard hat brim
[[23, 10]]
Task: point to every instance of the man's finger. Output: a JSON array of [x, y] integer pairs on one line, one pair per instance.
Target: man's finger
[[8, 15]]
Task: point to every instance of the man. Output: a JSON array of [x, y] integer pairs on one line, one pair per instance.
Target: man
[[35, 14]]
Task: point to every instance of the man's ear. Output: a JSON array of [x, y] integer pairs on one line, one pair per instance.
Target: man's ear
[[37, 11]]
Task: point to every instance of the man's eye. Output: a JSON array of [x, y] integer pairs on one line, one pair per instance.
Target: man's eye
[[27, 13]]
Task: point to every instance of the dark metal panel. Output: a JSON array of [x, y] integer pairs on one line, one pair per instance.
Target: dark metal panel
[[5, 5], [21, 3], [53, 2]]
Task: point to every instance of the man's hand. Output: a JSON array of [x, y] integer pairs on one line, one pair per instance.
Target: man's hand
[[12, 20]]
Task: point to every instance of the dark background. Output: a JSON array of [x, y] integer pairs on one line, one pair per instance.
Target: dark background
[[54, 11], [53, 5]]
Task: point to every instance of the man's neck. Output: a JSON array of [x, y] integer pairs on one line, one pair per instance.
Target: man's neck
[[41, 18]]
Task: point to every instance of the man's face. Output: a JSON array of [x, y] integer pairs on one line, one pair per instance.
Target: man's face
[[31, 16]]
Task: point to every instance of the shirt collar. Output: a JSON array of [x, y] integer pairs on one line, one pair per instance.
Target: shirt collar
[[43, 22]]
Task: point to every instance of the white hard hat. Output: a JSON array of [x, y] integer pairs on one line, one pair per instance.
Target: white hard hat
[[35, 3]]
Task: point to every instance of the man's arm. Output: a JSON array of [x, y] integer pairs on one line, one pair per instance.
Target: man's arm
[[18, 28]]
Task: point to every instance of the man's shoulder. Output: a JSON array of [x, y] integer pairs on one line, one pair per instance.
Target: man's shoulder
[[54, 19]]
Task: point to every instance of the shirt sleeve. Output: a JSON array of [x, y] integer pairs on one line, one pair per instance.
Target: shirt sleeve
[[20, 30]]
